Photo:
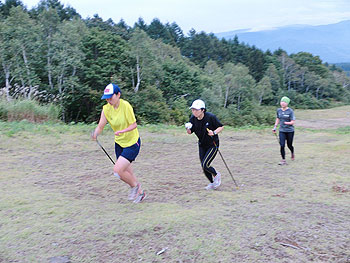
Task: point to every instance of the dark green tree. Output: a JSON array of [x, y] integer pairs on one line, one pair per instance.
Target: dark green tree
[[157, 30], [311, 62], [150, 106], [180, 80], [256, 63], [106, 56], [176, 34], [239, 51], [7, 5], [64, 13], [123, 30], [141, 24], [200, 48]]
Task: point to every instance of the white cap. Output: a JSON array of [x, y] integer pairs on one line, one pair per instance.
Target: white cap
[[198, 104]]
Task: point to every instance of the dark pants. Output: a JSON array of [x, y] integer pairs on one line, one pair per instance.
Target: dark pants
[[206, 156], [286, 136]]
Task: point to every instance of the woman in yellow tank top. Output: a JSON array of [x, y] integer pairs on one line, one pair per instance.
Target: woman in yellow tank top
[[120, 115]]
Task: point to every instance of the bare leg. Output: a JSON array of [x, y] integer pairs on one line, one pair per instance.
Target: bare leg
[[124, 169]]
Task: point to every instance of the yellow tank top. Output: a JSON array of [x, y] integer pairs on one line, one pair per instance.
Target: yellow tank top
[[120, 119]]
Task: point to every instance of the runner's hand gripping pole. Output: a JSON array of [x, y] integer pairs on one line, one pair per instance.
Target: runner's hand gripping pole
[[274, 132], [228, 169]]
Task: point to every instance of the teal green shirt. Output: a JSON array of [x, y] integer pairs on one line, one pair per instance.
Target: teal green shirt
[[285, 116]]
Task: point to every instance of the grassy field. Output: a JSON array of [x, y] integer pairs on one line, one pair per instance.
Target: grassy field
[[59, 201]]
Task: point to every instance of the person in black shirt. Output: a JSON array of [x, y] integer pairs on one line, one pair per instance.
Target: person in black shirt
[[206, 126]]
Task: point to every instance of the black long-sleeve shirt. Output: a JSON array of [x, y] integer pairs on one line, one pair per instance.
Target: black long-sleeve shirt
[[199, 127]]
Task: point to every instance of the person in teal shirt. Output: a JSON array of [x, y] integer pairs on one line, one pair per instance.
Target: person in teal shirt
[[286, 119]]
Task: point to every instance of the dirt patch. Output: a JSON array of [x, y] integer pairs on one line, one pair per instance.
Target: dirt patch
[[60, 201], [324, 124], [323, 119]]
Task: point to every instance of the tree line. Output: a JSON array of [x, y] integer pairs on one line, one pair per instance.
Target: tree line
[[52, 55]]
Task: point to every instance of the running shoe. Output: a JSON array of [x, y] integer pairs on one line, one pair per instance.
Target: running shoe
[[140, 197], [293, 157], [282, 162], [217, 181], [210, 186], [133, 192]]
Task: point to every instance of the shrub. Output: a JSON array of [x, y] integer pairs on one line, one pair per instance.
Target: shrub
[[149, 106], [254, 115], [180, 112], [3, 109], [17, 110]]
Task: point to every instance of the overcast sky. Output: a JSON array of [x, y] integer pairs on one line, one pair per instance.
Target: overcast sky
[[215, 15]]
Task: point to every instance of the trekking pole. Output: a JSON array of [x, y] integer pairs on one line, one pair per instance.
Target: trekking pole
[[228, 169], [227, 166], [103, 149], [278, 139]]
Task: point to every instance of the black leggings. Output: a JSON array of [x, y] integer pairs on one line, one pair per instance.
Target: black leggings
[[289, 137], [207, 155]]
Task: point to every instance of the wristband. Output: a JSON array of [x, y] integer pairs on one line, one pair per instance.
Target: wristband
[[214, 132]]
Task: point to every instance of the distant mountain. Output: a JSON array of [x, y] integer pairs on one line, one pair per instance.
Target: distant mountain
[[345, 67], [330, 42]]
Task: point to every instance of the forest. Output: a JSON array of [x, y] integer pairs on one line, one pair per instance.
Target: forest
[[51, 55]]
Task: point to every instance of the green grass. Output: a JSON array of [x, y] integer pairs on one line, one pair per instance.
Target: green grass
[[17, 110], [338, 112], [59, 197], [19, 127], [343, 130]]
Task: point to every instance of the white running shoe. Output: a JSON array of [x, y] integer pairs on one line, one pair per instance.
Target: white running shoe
[[217, 180], [140, 197], [283, 162], [133, 192], [210, 186]]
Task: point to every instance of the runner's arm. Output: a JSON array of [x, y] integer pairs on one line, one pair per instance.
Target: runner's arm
[[276, 123], [216, 131], [290, 122], [129, 128], [101, 124]]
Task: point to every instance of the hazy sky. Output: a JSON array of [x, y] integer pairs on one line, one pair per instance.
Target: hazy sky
[[215, 15]]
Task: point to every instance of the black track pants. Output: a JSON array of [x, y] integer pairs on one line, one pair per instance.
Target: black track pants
[[206, 156], [289, 137]]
